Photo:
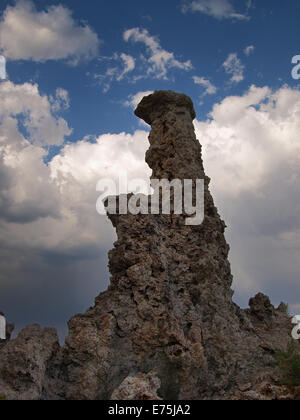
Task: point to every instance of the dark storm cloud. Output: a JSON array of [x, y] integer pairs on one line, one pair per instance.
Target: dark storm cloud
[[41, 290]]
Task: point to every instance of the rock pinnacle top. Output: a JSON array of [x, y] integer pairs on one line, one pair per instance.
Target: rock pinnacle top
[[162, 101]]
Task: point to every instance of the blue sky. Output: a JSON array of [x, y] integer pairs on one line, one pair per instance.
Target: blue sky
[[201, 38], [75, 71]]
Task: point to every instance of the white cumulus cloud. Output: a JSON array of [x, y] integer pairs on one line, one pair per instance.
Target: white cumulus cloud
[[27, 124], [43, 205], [51, 34], [35, 110], [252, 154]]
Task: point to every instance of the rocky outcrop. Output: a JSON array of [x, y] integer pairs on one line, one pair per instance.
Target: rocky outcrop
[[169, 307], [268, 391], [138, 388], [23, 363], [9, 330]]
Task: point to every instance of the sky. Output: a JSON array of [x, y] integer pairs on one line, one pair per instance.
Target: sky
[[75, 72]]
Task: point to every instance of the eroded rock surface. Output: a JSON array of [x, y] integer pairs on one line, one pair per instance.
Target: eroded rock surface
[[137, 388], [23, 363], [169, 307]]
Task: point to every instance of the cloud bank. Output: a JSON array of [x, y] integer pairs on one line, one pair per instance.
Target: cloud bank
[[252, 153], [52, 239]]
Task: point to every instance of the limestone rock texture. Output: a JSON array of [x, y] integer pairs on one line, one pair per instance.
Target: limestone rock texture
[[167, 320], [23, 363], [138, 388]]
